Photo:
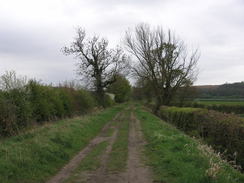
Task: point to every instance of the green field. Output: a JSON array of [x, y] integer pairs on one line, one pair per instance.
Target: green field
[[220, 102], [223, 105]]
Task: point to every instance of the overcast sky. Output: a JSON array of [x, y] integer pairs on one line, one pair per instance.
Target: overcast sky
[[32, 32]]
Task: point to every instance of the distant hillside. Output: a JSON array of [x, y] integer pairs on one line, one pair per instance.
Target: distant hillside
[[207, 86], [231, 90]]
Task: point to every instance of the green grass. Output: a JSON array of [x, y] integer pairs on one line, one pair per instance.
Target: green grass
[[119, 154], [177, 158], [90, 163], [182, 109], [220, 102], [36, 155], [109, 132]]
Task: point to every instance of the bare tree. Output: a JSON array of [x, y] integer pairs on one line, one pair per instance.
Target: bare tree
[[10, 80], [97, 63], [162, 59]]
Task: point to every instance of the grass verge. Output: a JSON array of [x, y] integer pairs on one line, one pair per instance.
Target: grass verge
[[177, 158], [36, 155], [119, 154]]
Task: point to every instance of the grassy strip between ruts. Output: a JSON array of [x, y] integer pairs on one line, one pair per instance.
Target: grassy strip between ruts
[[90, 163], [39, 154], [119, 154], [177, 158]]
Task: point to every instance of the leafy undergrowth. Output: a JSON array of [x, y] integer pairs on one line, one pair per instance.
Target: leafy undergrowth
[[119, 154], [177, 158], [90, 163], [40, 153]]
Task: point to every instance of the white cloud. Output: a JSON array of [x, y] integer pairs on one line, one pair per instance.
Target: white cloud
[[33, 31]]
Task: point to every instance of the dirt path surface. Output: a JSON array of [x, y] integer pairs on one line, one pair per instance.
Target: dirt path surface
[[66, 171], [101, 174], [135, 171]]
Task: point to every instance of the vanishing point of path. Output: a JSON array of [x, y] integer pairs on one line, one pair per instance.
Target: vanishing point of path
[[124, 132]]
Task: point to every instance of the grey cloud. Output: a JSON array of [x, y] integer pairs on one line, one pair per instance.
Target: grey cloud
[[216, 27], [26, 42]]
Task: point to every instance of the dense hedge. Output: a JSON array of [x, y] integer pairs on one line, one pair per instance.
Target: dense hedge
[[227, 108], [225, 132], [35, 102]]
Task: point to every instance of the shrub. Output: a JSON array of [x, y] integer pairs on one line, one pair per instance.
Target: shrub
[[19, 98], [40, 100], [225, 132], [19, 107], [85, 100], [67, 101], [108, 101], [8, 122], [121, 89]]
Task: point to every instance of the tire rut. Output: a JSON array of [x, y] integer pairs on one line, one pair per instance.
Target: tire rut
[[67, 170], [136, 171]]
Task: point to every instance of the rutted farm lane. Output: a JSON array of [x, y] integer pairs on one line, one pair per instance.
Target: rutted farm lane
[[119, 160]]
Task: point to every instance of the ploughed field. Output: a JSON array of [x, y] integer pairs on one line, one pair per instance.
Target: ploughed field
[[124, 143]]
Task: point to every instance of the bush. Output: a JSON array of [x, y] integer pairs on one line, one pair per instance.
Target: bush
[[8, 122], [85, 100], [20, 107], [42, 105], [19, 98], [225, 132], [108, 101], [121, 89]]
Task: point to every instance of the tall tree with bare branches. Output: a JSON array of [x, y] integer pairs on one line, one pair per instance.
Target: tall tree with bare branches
[[97, 63], [162, 59]]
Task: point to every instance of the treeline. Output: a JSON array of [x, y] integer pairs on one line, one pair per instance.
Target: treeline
[[233, 90]]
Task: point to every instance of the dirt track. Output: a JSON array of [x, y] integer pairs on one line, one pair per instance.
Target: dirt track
[[136, 171]]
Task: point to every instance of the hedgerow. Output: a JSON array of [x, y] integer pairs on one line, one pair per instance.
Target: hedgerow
[[37, 103], [177, 158], [225, 132]]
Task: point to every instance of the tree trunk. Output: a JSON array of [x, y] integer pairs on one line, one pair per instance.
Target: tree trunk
[[158, 104]]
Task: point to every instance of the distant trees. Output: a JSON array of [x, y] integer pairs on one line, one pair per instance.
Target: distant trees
[[164, 65], [143, 90], [163, 60], [121, 88], [97, 63], [230, 90], [9, 80]]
